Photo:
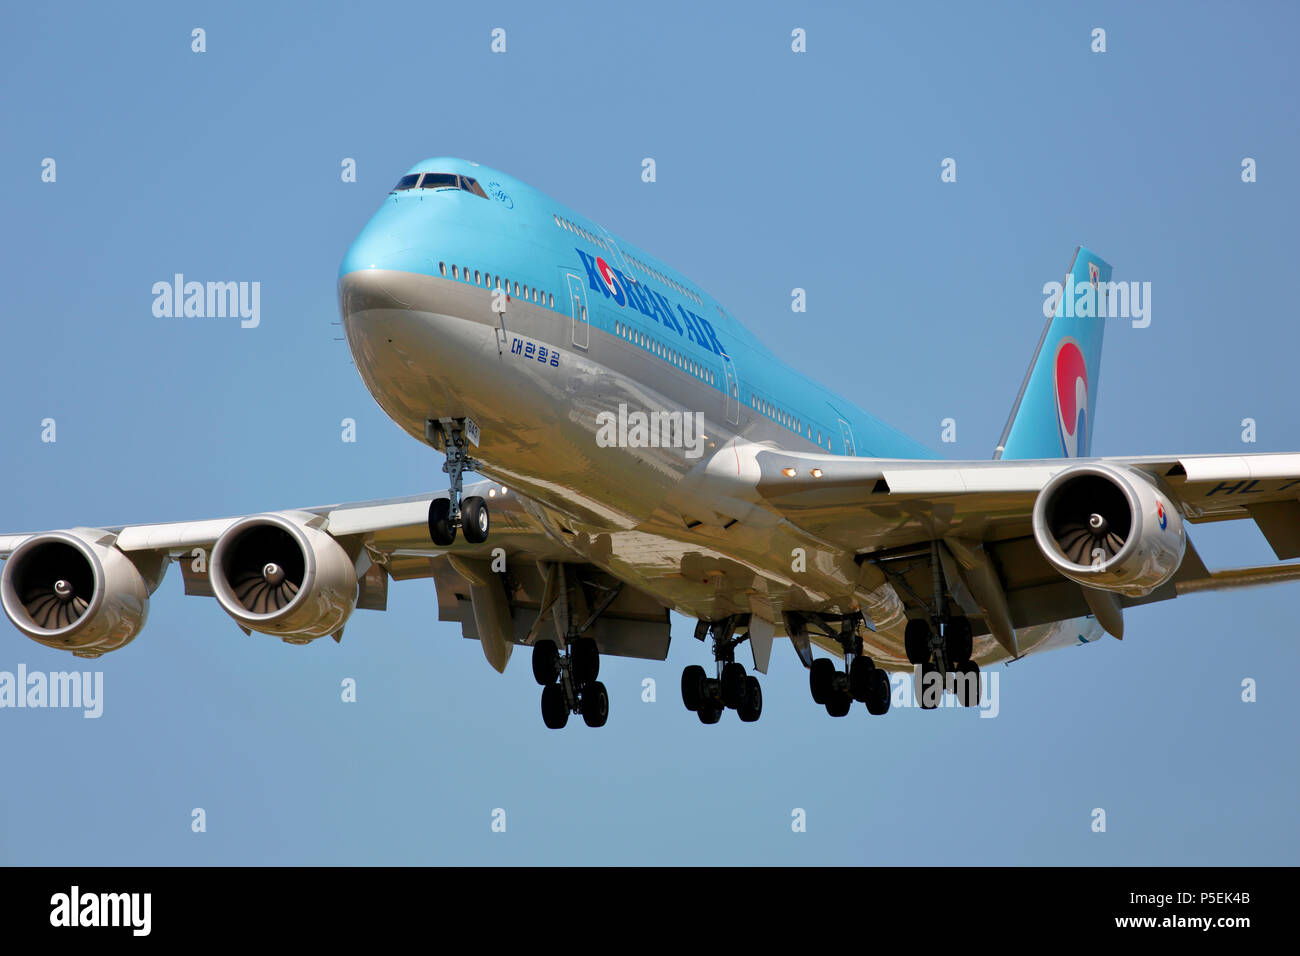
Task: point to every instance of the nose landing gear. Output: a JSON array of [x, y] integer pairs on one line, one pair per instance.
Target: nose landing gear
[[454, 436]]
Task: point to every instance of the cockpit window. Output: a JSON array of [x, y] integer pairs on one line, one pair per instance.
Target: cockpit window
[[440, 181]]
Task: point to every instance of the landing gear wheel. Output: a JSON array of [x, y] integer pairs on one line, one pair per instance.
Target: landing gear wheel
[[931, 690], [916, 639], [878, 693], [751, 708], [709, 712], [555, 709], [693, 679], [838, 702], [957, 639], [586, 660], [594, 704], [454, 437], [546, 662], [968, 683], [820, 676], [474, 520], [860, 672], [733, 685], [441, 531]]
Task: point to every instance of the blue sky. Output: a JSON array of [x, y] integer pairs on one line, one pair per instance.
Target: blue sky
[[775, 171]]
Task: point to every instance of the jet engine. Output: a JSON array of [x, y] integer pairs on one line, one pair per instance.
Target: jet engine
[[1110, 528], [74, 591], [276, 574]]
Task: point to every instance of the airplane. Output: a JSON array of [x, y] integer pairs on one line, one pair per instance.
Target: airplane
[[642, 452]]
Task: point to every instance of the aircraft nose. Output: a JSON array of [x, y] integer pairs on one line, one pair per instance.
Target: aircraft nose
[[367, 289], [375, 253], [373, 249]]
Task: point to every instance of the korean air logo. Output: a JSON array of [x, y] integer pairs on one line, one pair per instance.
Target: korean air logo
[[500, 195], [1160, 514], [610, 280], [1071, 380]]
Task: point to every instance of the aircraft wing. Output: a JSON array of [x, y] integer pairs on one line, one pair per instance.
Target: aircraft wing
[[1015, 565], [502, 592], [852, 499]]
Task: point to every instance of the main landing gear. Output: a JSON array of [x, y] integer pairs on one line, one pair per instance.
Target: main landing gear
[[576, 690], [568, 678], [733, 688], [861, 679], [942, 645], [454, 436], [943, 650]]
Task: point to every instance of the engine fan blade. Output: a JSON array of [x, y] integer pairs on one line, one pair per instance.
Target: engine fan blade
[[266, 590], [1080, 540], [56, 606]]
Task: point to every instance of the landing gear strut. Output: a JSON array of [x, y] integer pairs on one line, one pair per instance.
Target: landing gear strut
[[861, 679], [454, 436], [943, 648], [732, 688], [576, 691], [568, 679], [941, 644]]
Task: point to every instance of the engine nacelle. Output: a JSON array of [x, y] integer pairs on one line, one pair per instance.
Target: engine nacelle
[[72, 591], [275, 574], [1109, 528]]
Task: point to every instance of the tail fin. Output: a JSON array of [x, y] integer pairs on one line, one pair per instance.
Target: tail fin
[[1053, 414]]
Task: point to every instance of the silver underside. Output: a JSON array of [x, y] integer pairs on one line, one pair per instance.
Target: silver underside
[[429, 347]]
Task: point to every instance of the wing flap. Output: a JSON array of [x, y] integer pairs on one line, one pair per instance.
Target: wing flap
[[1279, 522]]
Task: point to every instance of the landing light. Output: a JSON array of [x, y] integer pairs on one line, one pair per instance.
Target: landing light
[[789, 472], [492, 492], [816, 472]]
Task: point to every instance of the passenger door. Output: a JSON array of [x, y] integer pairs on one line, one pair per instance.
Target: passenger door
[[846, 432], [578, 309], [732, 385]]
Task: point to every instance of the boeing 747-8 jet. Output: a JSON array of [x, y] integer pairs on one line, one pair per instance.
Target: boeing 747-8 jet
[[644, 453]]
